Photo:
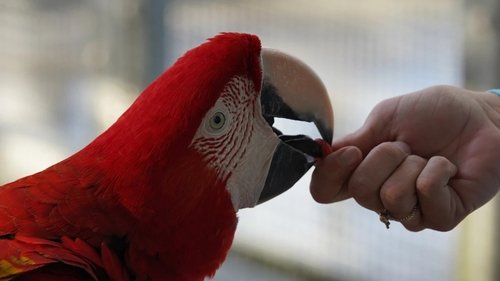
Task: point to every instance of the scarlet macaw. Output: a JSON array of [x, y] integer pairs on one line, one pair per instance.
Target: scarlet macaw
[[155, 196]]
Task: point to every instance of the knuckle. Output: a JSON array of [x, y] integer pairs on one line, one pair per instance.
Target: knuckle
[[443, 89], [438, 172], [360, 189], [443, 164], [425, 185], [440, 161], [392, 195], [417, 160], [389, 150]]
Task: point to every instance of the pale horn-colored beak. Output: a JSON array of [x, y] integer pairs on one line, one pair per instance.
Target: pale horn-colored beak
[[292, 90]]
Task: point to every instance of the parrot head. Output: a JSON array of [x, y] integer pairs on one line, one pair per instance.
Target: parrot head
[[162, 186], [246, 88]]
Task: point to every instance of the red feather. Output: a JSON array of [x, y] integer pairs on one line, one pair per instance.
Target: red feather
[[32, 256], [137, 202]]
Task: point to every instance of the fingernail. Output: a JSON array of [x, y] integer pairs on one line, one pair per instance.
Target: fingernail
[[350, 156]]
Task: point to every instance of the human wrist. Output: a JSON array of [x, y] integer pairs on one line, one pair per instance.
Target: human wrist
[[495, 92]]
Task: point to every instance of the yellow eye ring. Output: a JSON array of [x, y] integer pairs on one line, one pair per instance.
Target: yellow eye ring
[[217, 121]]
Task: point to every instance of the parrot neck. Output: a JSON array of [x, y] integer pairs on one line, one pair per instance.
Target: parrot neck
[[187, 227], [184, 217]]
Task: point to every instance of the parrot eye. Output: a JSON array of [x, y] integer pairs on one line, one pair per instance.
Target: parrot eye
[[217, 121]]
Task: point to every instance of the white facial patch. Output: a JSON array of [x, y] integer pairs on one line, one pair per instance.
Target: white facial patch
[[237, 142]]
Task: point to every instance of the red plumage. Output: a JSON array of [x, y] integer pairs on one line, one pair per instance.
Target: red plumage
[[137, 202]]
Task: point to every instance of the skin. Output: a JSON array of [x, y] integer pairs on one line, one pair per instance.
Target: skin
[[437, 149]]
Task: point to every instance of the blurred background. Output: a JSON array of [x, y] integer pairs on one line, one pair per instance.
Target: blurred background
[[69, 68]]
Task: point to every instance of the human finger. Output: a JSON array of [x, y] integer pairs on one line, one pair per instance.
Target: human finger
[[364, 184], [398, 193], [331, 174], [438, 201]]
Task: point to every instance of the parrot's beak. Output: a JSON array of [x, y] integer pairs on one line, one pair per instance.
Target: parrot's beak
[[292, 90]]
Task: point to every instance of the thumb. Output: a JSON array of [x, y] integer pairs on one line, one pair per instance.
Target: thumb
[[375, 130], [329, 179], [364, 138]]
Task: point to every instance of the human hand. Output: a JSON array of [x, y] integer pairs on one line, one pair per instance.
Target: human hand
[[428, 158]]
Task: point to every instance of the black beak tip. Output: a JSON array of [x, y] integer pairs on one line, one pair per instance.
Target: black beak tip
[[328, 136], [287, 167]]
